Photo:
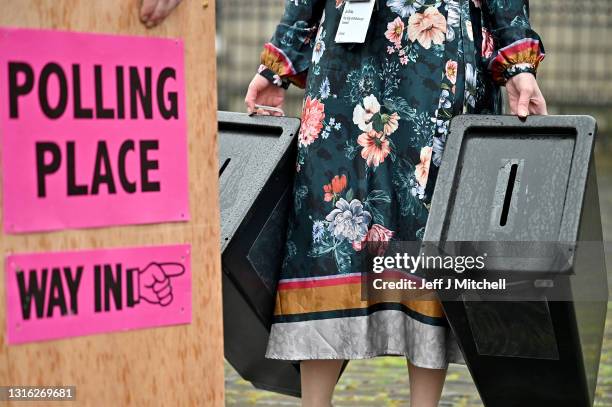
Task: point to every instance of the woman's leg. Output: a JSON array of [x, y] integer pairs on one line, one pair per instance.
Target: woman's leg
[[425, 386], [318, 381]]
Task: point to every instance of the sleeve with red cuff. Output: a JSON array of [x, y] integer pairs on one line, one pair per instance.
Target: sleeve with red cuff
[[518, 48], [286, 58]]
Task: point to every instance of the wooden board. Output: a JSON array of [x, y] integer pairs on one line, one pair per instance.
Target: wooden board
[[180, 365]]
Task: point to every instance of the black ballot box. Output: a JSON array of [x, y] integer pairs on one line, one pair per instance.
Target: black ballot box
[[524, 193], [256, 167]]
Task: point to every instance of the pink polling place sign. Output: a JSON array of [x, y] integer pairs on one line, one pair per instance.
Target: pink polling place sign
[[67, 294], [93, 130]]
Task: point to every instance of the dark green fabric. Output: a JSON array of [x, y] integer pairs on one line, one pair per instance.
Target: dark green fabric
[[413, 81]]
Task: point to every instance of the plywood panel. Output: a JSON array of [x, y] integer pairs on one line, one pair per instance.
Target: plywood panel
[[180, 365]]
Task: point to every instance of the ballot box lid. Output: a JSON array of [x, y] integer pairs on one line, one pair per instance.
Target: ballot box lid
[[256, 167], [239, 155], [503, 179], [533, 182]]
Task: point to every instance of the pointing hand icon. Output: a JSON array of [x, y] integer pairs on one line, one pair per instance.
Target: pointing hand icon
[[153, 282]]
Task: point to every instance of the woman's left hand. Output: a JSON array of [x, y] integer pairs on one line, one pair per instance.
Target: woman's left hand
[[525, 96], [152, 12]]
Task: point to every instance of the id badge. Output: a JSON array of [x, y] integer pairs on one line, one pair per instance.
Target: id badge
[[355, 21]]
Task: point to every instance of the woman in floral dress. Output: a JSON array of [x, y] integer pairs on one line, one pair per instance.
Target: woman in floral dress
[[374, 125]]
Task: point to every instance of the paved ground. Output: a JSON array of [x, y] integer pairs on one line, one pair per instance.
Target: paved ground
[[384, 381]]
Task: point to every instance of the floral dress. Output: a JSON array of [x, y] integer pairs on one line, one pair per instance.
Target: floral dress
[[374, 125]]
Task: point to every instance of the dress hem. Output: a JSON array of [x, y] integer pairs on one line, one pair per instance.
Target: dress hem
[[362, 357]]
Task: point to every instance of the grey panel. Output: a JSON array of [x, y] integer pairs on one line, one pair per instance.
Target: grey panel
[[539, 186], [249, 151], [256, 165], [498, 332]]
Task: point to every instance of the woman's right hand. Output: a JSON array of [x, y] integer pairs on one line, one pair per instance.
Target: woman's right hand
[[263, 92]]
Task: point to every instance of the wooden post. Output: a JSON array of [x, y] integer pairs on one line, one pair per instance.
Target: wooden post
[[176, 365]]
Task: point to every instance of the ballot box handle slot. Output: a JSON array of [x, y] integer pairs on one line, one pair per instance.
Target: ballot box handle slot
[[253, 128], [508, 197]]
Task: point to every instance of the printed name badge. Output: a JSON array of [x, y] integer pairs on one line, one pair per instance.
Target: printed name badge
[[355, 21]]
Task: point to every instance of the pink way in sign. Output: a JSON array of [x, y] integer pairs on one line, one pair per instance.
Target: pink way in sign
[[66, 294], [93, 130]]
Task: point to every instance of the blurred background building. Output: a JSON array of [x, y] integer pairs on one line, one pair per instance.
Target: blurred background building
[[576, 76]]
